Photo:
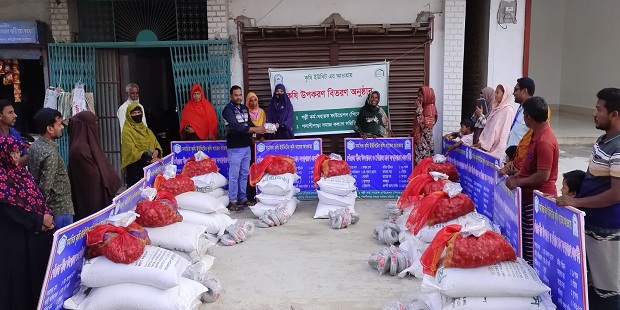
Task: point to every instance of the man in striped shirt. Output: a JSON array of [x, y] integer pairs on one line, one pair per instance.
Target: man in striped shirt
[[599, 197]]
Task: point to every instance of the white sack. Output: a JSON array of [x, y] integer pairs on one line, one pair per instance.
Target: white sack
[[505, 279], [260, 208], [215, 223], [277, 200], [337, 200], [322, 210], [181, 236], [338, 185], [280, 184], [156, 267], [131, 296], [210, 181], [200, 202], [437, 301]]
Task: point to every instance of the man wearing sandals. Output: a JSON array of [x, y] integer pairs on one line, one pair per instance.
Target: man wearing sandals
[[239, 129]]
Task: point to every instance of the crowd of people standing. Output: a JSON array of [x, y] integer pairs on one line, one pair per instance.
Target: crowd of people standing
[[40, 194]]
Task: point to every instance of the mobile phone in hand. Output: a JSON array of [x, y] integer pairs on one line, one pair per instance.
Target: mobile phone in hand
[[481, 103]]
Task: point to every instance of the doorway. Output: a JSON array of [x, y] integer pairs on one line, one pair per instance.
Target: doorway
[[476, 53], [151, 69]]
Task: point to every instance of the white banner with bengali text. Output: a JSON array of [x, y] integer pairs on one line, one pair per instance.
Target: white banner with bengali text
[[327, 100]]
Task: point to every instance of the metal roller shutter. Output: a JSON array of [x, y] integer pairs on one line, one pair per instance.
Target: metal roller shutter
[[289, 49]]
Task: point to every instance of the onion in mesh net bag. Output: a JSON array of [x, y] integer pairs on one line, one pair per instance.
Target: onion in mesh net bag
[[438, 207], [119, 244], [466, 247]]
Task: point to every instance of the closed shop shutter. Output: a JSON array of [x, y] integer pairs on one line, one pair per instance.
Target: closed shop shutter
[[408, 72]]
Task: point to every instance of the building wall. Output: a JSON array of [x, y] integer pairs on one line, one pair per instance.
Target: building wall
[[547, 49], [25, 10], [505, 62], [297, 12], [217, 18], [573, 51], [63, 19], [446, 51], [590, 52], [453, 51]]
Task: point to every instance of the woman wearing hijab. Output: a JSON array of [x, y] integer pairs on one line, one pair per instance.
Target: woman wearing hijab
[[423, 122], [26, 226], [94, 182], [494, 136], [280, 112], [198, 119], [372, 122], [480, 118], [258, 117], [139, 147]]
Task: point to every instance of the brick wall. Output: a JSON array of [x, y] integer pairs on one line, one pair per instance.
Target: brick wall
[[217, 18], [61, 30], [454, 25]]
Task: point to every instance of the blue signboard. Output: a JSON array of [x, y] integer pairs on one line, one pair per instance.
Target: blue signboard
[[153, 170], [477, 175], [62, 278], [19, 32], [507, 214], [128, 199], [559, 252], [184, 150], [380, 166], [304, 152]]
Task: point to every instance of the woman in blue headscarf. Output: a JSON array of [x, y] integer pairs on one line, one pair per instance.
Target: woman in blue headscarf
[[280, 112]]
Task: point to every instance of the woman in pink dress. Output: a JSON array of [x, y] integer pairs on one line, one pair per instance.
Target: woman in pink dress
[[494, 136]]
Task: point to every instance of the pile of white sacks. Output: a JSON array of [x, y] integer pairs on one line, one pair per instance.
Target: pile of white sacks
[[213, 184], [277, 199], [337, 192], [504, 285], [172, 273]]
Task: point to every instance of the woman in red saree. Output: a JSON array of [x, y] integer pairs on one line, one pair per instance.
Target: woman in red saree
[[424, 119], [198, 120]]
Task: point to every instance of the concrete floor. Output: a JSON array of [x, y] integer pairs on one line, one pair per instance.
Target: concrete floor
[[574, 129], [305, 264]]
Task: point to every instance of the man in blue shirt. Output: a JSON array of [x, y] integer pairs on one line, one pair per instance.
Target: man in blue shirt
[[7, 121], [239, 129]]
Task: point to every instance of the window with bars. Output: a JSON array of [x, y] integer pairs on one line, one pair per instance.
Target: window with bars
[[132, 20]]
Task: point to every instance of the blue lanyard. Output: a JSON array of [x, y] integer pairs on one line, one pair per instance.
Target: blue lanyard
[[516, 116], [238, 110]]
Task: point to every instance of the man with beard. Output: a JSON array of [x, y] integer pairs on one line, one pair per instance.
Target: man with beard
[[133, 96], [599, 198], [48, 168]]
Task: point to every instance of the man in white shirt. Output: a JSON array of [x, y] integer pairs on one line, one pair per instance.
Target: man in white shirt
[[133, 96], [523, 90]]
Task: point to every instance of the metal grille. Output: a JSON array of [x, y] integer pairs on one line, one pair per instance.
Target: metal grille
[[137, 20], [108, 101], [207, 64], [69, 64]]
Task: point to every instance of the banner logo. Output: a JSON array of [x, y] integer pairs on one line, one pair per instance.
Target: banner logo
[[176, 148], [350, 145]]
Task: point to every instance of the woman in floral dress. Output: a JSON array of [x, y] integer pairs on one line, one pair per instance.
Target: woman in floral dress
[[425, 118]]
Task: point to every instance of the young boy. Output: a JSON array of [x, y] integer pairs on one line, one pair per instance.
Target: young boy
[[572, 182], [511, 151], [465, 135]]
